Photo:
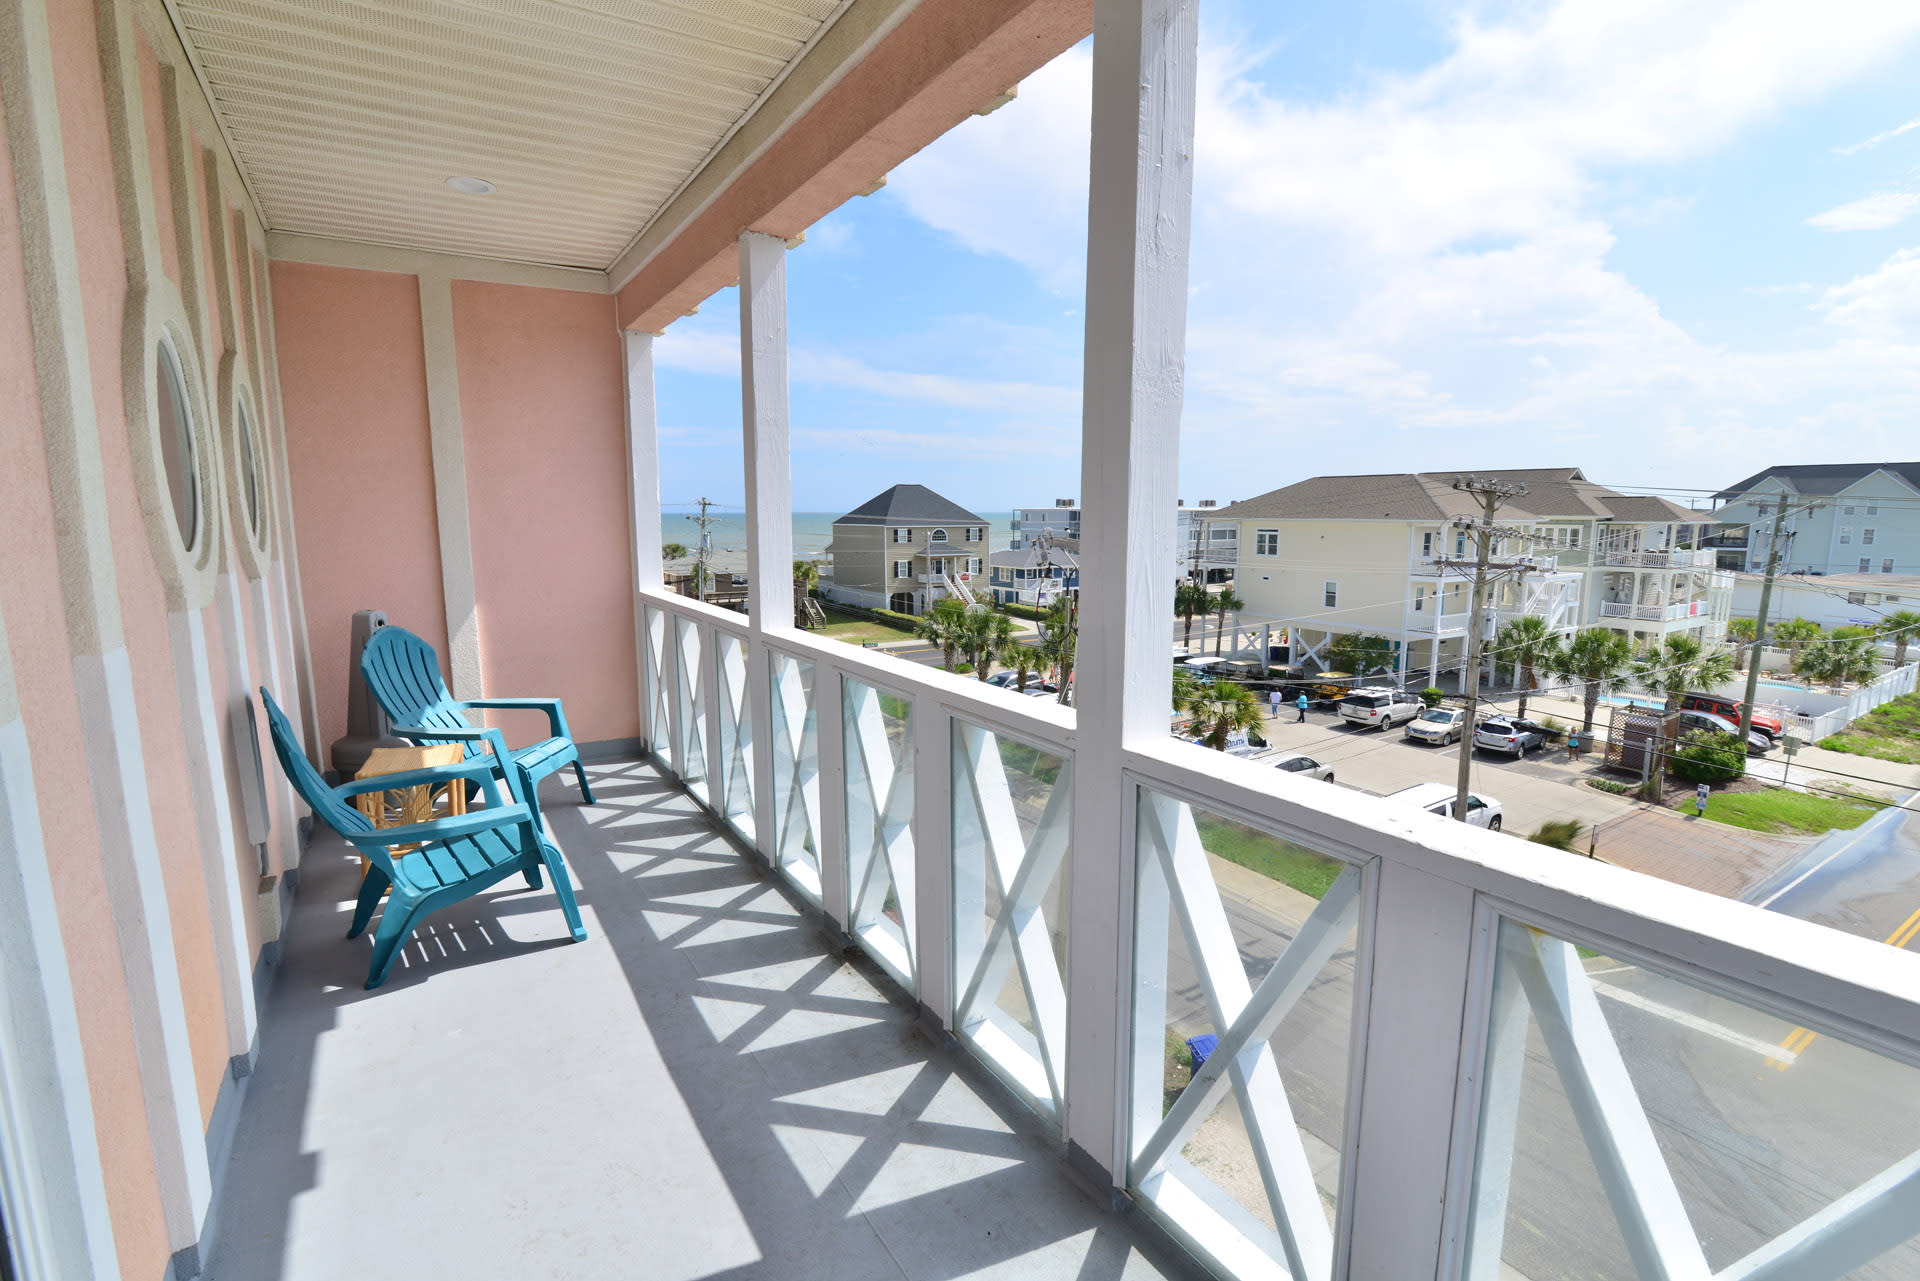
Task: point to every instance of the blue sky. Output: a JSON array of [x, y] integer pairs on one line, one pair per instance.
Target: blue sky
[[1663, 242]]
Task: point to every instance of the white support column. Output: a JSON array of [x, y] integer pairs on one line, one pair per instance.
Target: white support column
[[763, 403], [1417, 955], [450, 485], [1140, 199], [643, 501], [933, 801]]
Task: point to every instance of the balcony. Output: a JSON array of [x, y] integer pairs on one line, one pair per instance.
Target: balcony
[[1679, 611]]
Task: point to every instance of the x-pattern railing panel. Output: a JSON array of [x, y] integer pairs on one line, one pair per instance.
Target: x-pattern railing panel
[[659, 722], [1019, 870], [1545, 976], [735, 733], [796, 771], [879, 782], [693, 703], [1176, 883]]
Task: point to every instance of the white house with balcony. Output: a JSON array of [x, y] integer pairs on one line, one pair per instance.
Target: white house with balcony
[[1841, 518], [1211, 560], [1382, 555]]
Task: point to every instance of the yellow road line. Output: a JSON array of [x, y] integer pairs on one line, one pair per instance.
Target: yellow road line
[[1800, 1038]]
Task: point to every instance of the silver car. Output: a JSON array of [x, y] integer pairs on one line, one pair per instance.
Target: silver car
[[1499, 734], [1440, 725], [1305, 766]]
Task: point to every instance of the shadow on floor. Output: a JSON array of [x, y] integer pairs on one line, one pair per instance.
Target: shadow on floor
[[702, 1089]]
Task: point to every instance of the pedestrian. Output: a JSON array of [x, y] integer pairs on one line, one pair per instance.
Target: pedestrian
[[1700, 795], [1301, 703], [1273, 704]]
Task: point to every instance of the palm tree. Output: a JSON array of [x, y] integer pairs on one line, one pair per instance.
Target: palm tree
[[1025, 660], [806, 575], [1191, 598], [1680, 663], [941, 626], [1059, 633], [673, 551], [1527, 644], [1901, 626], [1795, 634], [983, 633], [1220, 709], [1740, 632], [1849, 655], [1593, 657], [1224, 600]]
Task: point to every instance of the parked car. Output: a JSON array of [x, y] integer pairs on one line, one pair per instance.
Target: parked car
[[1440, 725], [1503, 734], [1719, 705], [1380, 707], [1438, 798], [1758, 744], [1305, 766]]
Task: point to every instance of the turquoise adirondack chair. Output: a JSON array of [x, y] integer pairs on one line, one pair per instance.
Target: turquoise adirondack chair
[[404, 674], [461, 855]]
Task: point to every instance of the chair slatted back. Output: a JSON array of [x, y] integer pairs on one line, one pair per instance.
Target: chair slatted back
[[336, 813], [404, 674]]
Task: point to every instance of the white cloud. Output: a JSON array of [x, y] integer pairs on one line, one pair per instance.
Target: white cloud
[[1869, 213], [1883, 304], [1878, 138]]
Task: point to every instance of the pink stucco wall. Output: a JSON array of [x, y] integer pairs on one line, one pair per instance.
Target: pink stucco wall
[[353, 387], [544, 429]]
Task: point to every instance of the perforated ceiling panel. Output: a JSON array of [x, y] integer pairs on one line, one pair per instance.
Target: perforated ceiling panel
[[349, 117]]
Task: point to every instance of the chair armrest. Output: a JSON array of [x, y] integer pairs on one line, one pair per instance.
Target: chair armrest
[[556, 719], [437, 830], [493, 738], [480, 769]]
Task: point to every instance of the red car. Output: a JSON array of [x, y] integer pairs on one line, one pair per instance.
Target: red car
[[1763, 723]]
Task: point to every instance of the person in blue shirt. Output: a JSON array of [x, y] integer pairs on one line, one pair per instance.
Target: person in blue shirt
[[1301, 703]]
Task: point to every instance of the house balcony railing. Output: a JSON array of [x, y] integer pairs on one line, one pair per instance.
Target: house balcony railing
[[1430, 1011], [1673, 613], [1684, 559]]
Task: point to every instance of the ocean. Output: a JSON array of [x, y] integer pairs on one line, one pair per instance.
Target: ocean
[[812, 531]]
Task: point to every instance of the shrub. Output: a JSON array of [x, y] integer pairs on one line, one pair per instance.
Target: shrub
[[1018, 610], [1706, 756], [1432, 695], [1610, 785], [1560, 833]]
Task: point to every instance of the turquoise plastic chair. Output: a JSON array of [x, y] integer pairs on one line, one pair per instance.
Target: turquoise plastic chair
[[461, 855], [404, 674]]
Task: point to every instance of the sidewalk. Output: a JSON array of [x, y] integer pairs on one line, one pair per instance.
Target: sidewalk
[[1696, 852]]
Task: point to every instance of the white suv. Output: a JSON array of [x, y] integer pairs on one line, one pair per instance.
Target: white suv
[[1438, 798], [1380, 707]]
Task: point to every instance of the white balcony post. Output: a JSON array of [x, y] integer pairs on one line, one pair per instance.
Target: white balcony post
[[643, 501], [1139, 205], [933, 802], [831, 763], [763, 398]]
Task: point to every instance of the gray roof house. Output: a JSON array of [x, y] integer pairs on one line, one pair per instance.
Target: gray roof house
[[905, 548], [1842, 518]]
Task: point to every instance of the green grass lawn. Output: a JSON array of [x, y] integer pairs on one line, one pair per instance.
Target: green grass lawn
[[1890, 732], [1780, 810], [856, 631], [1312, 874]]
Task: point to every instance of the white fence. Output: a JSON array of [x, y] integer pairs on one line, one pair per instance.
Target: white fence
[[1856, 704], [1427, 1034]]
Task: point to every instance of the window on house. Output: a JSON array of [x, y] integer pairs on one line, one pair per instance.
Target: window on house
[[1266, 542], [903, 569], [1459, 544], [973, 564], [1846, 533], [1866, 537], [937, 536], [1873, 509], [1330, 592], [1873, 598], [903, 535], [1419, 600], [1886, 567], [1426, 545], [1223, 533], [1856, 598], [1847, 510], [1866, 564]]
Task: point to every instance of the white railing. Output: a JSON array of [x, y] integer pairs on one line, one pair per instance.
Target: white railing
[[1704, 559], [1425, 1031], [1620, 609], [1883, 689]]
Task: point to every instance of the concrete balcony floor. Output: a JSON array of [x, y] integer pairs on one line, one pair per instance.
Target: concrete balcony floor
[[702, 1089]]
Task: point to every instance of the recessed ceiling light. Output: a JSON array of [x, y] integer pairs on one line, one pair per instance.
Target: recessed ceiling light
[[471, 186]]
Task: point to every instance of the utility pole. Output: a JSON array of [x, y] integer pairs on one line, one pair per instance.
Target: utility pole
[[701, 574], [1490, 493], [1774, 539]]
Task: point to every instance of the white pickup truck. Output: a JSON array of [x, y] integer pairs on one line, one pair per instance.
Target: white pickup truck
[[1380, 707]]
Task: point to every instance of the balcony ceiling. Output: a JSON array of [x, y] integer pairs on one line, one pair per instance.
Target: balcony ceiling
[[347, 118]]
